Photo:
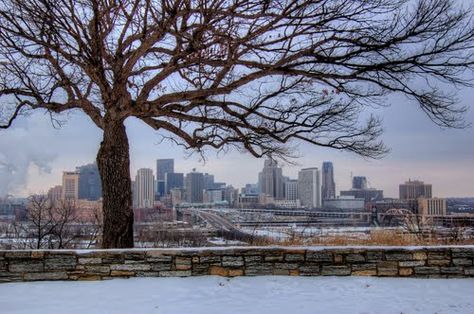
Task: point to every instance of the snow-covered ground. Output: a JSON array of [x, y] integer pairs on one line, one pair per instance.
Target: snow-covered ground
[[248, 295]]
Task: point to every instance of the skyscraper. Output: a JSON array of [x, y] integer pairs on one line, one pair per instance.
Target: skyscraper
[[194, 186], [70, 190], [411, 190], [144, 188], [359, 183], [90, 186], [173, 180], [271, 181], [309, 187], [164, 166], [328, 186], [208, 181]]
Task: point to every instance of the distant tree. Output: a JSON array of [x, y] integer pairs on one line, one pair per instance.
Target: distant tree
[[47, 225], [255, 75]]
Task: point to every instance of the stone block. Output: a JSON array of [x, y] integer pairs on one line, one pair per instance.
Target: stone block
[[134, 256], [210, 259], [319, 256], [355, 258], [387, 268], [46, 276], [462, 253], [131, 267], [469, 271], [462, 262], [259, 269], [200, 269], [252, 259], [87, 278], [364, 272], [374, 255], [294, 272], [364, 267], [160, 266], [183, 261], [294, 257], [286, 266], [183, 267], [10, 277], [309, 269], [89, 261], [236, 272], [122, 273], [281, 272], [97, 269], [452, 270], [273, 258], [442, 255], [218, 271], [60, 262], [405, 271], [37, 254], [335, 270], [25, 266], [412, 263], [232, 261], [425, 270], [177, 273], [10, 255], [439, 262], [398, 256], [419, 256]]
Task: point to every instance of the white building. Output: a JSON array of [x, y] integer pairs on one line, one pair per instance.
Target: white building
[[309, 187], [291, 190], [144, 188]]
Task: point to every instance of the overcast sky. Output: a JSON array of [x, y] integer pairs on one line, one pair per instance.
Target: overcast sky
[[33, 154]]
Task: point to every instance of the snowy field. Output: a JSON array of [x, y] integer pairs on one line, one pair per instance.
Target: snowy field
[[248, 295]]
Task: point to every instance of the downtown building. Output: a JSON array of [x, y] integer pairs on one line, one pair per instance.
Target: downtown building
[[309, 188], [194, 187], [90, 185], [144, 188], [271, 181], [163, 166], [70, 187], [412, 190], [328, 186]]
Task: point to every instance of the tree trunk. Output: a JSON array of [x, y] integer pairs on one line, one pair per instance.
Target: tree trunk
[[113, 161]]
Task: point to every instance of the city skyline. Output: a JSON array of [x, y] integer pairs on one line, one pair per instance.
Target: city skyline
[[420, 150]]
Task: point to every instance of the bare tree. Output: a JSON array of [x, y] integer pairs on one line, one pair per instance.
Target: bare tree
[[255, 75]]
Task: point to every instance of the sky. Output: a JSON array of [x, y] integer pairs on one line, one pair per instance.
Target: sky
[[33, 153]]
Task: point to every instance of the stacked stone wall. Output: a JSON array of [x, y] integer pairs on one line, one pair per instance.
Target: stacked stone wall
[[426, 262]]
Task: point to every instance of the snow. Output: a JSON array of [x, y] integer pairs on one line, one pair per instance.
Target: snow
[[249, 295]]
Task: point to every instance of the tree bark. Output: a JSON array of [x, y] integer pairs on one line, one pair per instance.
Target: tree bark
[[113, 160]]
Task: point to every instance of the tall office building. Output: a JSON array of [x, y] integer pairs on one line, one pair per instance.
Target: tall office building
[[90, 185], [208, 181], [164, 166], [173, 180], [328, 186], [194, 186], [70, 189], [309, 188], [144, 188], [359, 183], [271, 180], [291, 190], [411, 190]]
